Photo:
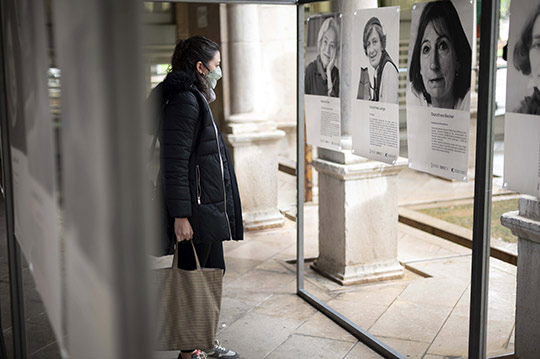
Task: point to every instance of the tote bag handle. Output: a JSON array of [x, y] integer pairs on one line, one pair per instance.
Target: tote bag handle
[[175, 257]]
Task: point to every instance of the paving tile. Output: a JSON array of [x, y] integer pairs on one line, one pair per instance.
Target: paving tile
[[503, 266], [260, 281], [233, 309], [429, 240], [380, 294], [453, 338], [41, 319], [408, 348], [498, 335], [5, 307], [254, 250], [235, 267], [361, 351], [230, 246], [462, 308], [434, 291], [256, 335], [456, 268], [317, 290], [286, 306], [51, 351], [364, 315], [411, 321], [8, 339], [33, 306], [249, 296], [275, 265], [311, 248], [285, 235], [501, 279], [37, 338], [411, 248], [513, 337], [320, 280], [319, 325], [501, 305], [300, 346]]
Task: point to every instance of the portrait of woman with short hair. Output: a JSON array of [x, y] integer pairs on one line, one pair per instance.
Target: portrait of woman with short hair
[[322, 74], [383, 86]]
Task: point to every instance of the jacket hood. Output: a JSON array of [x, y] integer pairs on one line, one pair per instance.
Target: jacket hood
[[177, 81], [174, 82]]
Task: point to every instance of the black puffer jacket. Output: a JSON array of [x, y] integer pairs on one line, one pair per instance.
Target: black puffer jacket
[[196, 170]]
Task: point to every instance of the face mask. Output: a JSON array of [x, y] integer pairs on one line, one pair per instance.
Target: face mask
[[213, 77]]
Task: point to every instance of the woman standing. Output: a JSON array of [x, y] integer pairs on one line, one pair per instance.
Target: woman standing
[[385, 81], [322, 75], [196, 171]]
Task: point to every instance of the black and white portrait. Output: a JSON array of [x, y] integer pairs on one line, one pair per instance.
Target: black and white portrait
[[523, 94], [439, 67], [322, 55], [378, 71]]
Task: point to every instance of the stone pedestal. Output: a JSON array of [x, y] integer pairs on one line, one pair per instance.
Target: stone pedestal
[[525, 224], [358, 219], [254, 143]]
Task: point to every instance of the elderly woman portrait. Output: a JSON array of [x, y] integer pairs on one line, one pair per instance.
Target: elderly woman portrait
[[322, 75], [527, 61], [440, 67], [384, 84]]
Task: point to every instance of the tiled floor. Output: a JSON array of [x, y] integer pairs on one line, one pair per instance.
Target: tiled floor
[[41, 343], [421, 316]]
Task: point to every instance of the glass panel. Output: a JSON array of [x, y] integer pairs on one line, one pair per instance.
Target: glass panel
[[423, 310]]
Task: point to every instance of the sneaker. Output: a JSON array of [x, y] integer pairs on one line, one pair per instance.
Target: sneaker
[[197, 354], [220, 352]]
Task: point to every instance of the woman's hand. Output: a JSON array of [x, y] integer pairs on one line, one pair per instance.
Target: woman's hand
[[182, 229]]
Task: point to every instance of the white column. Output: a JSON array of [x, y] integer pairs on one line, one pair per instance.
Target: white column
[[358, 214], [251, 134], [525, 224]]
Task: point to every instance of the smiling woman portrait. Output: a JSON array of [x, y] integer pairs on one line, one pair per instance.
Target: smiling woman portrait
[[440, 67], [384, 85], [527, 61], [322, 75]]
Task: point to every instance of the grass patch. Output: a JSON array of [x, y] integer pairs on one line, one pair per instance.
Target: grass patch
[[462, 215]]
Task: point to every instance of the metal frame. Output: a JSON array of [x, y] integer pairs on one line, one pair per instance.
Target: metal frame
[[20, 350], [482, 202], [483, 179], [482, 205]]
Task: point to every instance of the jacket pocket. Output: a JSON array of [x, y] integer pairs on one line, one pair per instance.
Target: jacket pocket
[[198, 183]]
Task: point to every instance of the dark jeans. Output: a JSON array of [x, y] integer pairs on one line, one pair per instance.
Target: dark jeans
[[210, 255]]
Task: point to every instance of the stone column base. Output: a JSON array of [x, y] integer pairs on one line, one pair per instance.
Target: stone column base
[[361, 273], [263, 220], [254, 147], [358, 219]]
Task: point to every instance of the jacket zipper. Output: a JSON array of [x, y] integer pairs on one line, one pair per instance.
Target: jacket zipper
[[198, 180], [222, 177]]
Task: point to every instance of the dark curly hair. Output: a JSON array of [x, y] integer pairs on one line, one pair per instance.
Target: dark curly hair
[[521, 51], [443, 15], [190, 51]]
